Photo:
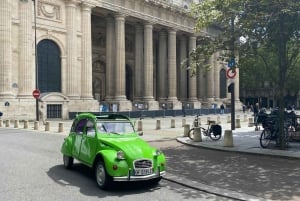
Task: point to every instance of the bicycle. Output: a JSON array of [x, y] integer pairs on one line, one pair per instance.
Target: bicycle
[[271, 133], [213, 131]]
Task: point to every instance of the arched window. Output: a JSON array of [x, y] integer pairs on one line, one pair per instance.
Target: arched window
[[49, 66]]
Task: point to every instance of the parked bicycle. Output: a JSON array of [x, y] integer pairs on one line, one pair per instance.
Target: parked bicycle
[[213, 131], [271, 132]]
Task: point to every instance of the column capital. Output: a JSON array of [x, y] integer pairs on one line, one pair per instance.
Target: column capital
[[120, 16], [172, 31], [148, 25], [87, 6], [72, 2]]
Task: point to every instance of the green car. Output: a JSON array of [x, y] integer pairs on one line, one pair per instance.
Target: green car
[[110, 145]]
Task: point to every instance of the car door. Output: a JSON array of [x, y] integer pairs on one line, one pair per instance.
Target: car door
[[89, 143], [78, 137]]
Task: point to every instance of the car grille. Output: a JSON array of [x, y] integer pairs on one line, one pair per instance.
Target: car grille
[[143, 163]]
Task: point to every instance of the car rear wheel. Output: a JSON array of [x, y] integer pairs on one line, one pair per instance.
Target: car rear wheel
[[102, 178], [68, 161]]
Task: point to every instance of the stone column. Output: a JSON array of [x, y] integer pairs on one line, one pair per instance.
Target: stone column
[[172, 82], [192, 79], [26, 68], [216, 76], [120, 58], [183, 70], [5, 48], [86, 72], [110, 48], [162, 66], [139, 63], [73, 86], [201, 85], [210, 81], [148, 62]]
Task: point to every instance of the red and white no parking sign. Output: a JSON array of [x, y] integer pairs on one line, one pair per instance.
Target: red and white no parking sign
[[230, 73]]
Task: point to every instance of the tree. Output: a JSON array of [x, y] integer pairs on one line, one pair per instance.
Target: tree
[[269, 29]]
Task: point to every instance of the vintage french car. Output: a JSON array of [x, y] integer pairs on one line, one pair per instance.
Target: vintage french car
[[112, 147]]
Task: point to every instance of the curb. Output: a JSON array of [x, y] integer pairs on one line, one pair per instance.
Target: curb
[[211, 189], [180, 140]]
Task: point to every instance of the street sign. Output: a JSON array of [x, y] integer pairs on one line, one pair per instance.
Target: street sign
[[230, 73], [36, 93], [231, 63]]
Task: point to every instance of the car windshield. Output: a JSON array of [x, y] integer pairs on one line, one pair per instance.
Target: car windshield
[[115, 127]]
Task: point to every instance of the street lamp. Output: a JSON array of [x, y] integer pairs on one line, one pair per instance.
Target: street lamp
[[36, 64]]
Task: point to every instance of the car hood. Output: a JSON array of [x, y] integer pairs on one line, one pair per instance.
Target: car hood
[[133, 147]]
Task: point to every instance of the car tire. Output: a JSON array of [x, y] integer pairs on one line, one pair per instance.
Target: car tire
[[68, 161], [102, 178]]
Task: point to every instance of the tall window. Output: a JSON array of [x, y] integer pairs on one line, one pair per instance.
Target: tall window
[[49, 66]]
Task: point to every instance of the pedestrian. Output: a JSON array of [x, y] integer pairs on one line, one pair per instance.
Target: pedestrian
[[41, 114], [244, 108], [255, 112], [222, 108]]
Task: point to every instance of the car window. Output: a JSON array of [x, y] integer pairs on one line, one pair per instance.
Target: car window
[[80, 126], [90, 129], [118, 127]]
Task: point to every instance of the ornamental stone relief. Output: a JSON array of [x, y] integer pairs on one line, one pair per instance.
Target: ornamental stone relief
[[49, 10]]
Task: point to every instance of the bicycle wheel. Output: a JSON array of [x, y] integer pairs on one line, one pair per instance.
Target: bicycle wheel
[[191, 133], [265, 138]]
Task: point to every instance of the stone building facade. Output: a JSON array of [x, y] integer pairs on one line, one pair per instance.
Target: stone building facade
[[121, 54]]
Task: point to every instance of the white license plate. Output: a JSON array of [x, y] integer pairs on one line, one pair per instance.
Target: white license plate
[[142, 171]]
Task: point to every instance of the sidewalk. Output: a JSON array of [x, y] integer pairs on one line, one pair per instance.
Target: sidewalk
[[245, 139]]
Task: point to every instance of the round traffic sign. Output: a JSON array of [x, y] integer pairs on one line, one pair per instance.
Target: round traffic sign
[[230, 73], [36, 93]]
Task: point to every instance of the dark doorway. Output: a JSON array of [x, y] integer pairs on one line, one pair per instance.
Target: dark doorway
[[129, 88], [49, 66], [223, 85]]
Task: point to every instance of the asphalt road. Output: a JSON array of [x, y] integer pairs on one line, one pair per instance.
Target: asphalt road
[[266, 177], [32, 170]]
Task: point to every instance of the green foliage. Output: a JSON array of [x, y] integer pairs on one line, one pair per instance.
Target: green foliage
[[271, 33]]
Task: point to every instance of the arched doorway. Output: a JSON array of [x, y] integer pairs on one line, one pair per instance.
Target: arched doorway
[[223, 84], [49, 66]]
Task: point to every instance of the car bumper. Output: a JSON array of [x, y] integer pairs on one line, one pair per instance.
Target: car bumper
[[140, 178]]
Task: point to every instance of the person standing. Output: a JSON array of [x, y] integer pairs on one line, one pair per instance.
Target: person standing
[[222, 108], [255, 112]]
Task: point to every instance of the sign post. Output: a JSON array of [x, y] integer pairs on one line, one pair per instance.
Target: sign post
[[36, 93]]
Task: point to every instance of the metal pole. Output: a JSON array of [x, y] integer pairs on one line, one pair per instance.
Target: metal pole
[[232, 109], [36, 64], [232, 89]]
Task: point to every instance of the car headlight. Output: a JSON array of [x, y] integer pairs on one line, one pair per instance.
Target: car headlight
[[120, 155], [157, 152]]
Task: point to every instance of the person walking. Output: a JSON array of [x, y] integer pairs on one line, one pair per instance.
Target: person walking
[[41, 114]]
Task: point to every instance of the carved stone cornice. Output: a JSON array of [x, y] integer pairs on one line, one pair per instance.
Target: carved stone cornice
[[155, 12]]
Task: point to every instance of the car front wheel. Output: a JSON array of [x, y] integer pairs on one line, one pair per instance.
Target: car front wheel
[[68, 161], [102, 178]]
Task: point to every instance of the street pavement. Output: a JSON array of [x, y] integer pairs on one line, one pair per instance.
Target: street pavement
[[245, 140]]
